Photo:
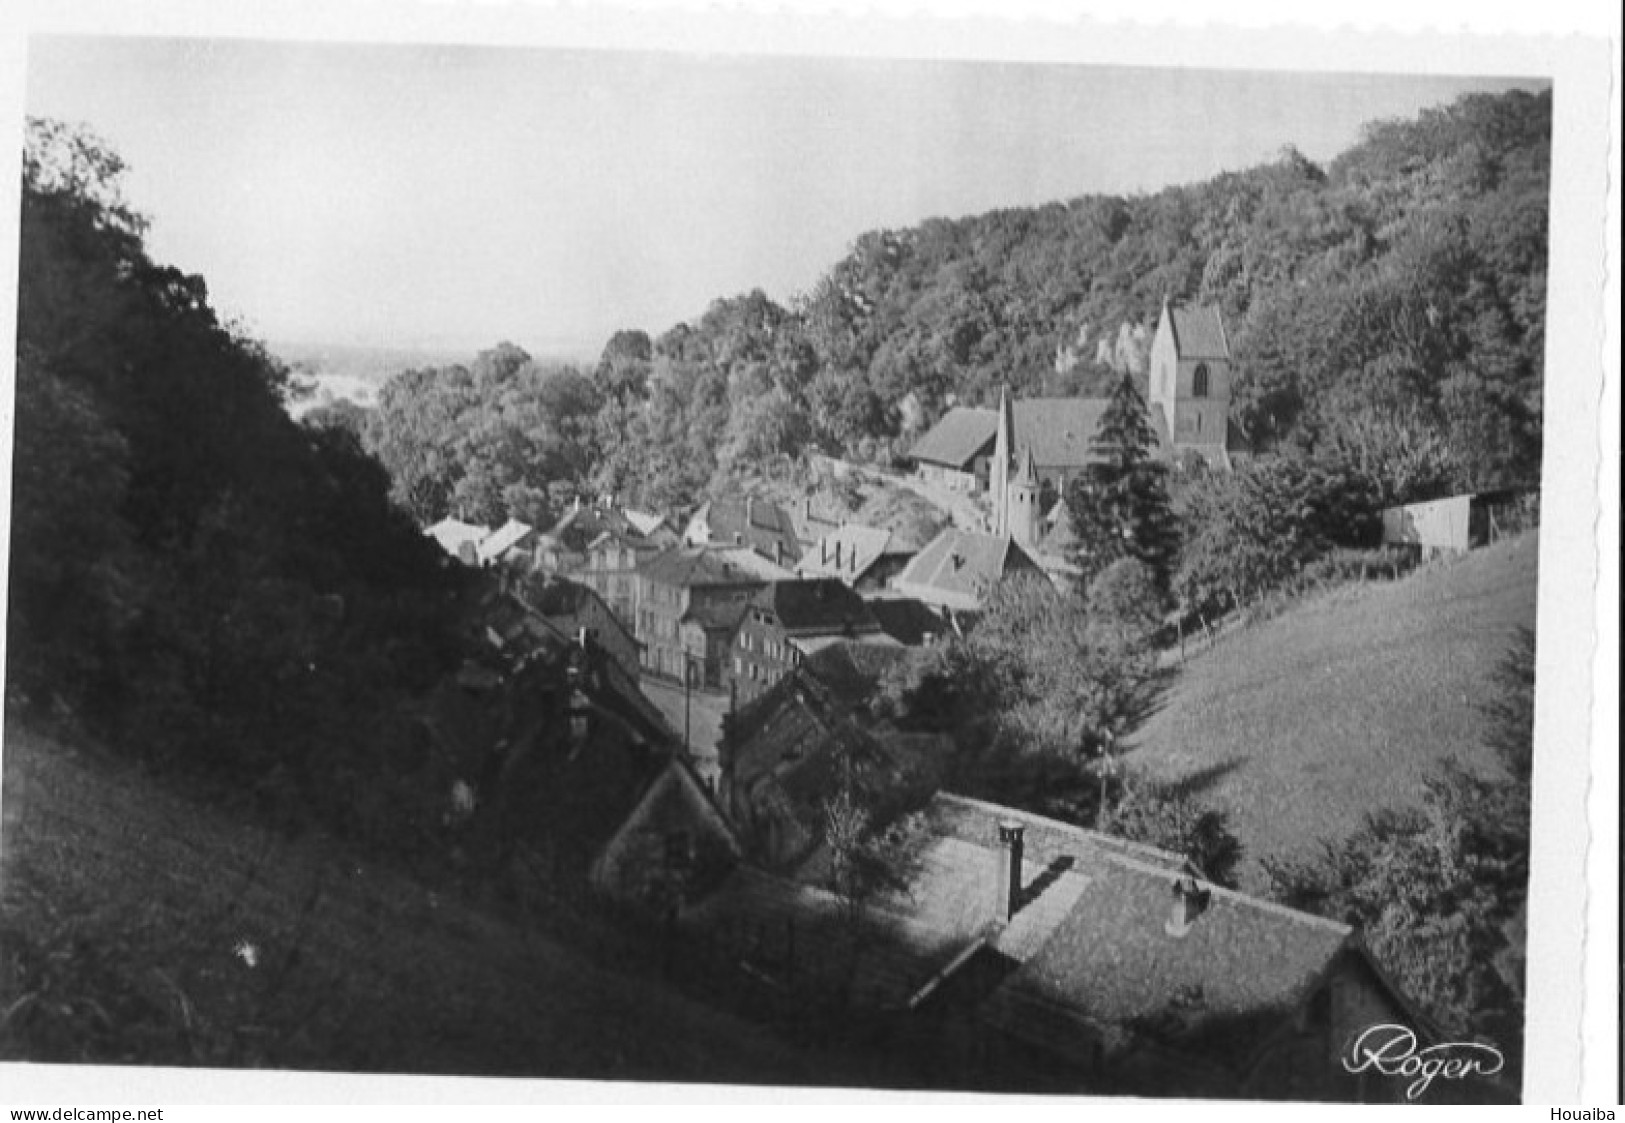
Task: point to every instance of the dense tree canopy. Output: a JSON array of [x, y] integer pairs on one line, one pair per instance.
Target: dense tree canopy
[[1386, 311], [192, 570]]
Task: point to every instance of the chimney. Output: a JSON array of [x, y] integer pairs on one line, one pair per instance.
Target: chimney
[[837, 553], [778, 551], [750, 510], [1011, 845], [823, 551], [806, 509], [1190, 901]]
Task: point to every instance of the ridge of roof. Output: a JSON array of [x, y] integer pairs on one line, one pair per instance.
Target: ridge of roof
[[1141, 858]]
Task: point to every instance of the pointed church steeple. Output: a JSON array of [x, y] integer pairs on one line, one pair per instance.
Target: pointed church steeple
[[1004, 455]]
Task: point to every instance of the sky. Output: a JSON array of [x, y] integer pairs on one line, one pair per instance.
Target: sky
[[454, 196]]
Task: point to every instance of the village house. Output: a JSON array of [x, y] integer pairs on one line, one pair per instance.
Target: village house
[[601, 547], [674, 847], [460, 540], [574, 608], [511, 543], [689, 599], [1018, 943], [787, 621], [812, 522], [957, 571], [911, 622], [787, 750], [864, 557], [750, 523], [541, 739]]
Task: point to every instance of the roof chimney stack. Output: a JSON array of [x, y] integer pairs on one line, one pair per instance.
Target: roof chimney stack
[[1190, 901], [1011, 843]]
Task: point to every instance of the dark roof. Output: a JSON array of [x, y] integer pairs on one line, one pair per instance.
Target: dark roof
[[958, 437], [1106, 954], [717, 616], [557, 597], [1058, 432], [959, 568], [577, 529], [687, 566], [1198, 332], [906, 620], [819, 607], [758, 523]]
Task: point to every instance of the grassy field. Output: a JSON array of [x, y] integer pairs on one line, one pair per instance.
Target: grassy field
[[1298, 726], [139, 927]]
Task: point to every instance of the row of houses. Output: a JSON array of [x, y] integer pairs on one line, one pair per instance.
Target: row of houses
[[745, 592], [1005, 941]]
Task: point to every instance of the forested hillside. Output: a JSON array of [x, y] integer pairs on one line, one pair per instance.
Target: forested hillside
[[1385, 311], [194, 575]]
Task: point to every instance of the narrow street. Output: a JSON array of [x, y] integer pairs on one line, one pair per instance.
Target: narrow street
[[704, 725]]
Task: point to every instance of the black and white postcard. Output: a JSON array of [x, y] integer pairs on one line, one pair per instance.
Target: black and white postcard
[[676, 553]]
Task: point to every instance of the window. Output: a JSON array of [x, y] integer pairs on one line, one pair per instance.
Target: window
[[1199, 381]]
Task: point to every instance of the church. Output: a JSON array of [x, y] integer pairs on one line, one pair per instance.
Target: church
[[1051, 439]]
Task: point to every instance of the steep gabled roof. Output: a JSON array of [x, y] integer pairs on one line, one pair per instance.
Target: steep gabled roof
[[645, 522], [906, 620], [1242, 966], [510, 534], [848, 552], [958, 438], [819, 607], [454, 534], [759, 524], [691, 566], [959, 568], [1198, 332], [717, 616], [1058, 432]]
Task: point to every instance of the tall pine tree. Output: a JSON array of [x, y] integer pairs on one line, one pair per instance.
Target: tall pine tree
[[1119, 506]]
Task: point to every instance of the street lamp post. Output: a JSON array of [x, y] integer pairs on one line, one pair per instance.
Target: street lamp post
[[688, 690]]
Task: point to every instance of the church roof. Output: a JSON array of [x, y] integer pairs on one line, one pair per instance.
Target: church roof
[[1058, 432], [1198, 332], [956, 440]]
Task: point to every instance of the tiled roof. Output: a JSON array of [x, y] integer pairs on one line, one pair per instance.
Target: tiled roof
[[905, 619], [454, 534], [812, 645], [959, 568], [1243, 963], [820, 607], [1198, 332], [761, 525], [746, 560], [717, 616], [956, 440], [1058, 432], [857, 548], [901, 956], [688, 566], [645, 522], [509, 535]]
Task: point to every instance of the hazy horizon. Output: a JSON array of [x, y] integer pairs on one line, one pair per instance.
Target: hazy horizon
[[445, 198]]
